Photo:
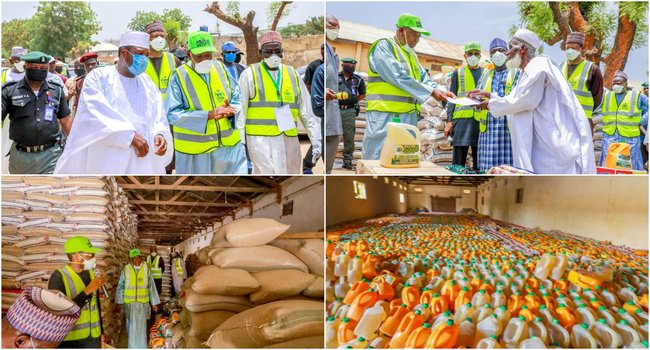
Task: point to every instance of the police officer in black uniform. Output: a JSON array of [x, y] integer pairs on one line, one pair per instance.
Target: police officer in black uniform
[[37, 109], [356, 89]]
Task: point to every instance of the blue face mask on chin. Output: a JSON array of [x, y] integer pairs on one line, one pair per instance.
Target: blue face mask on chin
[[230, 57], [139, 64]]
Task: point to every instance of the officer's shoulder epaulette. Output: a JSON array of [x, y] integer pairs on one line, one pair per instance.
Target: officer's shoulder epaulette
[[54, 81]]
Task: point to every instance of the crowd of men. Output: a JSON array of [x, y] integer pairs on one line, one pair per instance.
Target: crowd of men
[[156, 111], [528, 112]]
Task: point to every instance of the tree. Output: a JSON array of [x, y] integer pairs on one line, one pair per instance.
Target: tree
[[232, 16], [313, 26], [553, 21], [277, 11], [174, 21], [15, 32], [59, 26], [139, 22]]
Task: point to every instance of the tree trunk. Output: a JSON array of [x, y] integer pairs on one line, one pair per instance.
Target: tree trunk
[[617, 59], [562, 22], [592, 49], [278, 15], [245, 24]]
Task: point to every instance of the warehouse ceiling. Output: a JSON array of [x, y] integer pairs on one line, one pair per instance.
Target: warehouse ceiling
[[461, 181], [172, 209]]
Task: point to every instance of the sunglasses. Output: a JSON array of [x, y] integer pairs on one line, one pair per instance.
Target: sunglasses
[[271, 52], [230, 52]]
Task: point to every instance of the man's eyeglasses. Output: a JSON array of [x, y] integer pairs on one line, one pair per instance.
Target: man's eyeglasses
[[230, 52], [271, 52]]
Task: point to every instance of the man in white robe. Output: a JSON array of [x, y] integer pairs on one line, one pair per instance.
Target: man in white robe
[[549, 129], [120, 126]]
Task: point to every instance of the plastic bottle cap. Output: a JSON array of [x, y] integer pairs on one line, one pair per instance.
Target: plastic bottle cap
[[561, 306], [582, 306], [331, 318], [345, 319], [644, 342], [537, 318], [602, 307], [407, 285], [465, 289], [447, 313], [418, 312], [584, 325], [426, 325], [450, 322], [404, 305], [493, 337], [361, 339], [397, 120], [453, 283], [556, 321], [339, 299], [468, 304], [488, 306], [624, 322], [468, 319], [524, 307], [630, 302], [522, 318], [621, 311], [495, 315], [482, 291], [349, 347], [435, 295], [425, 305], [602, 320]]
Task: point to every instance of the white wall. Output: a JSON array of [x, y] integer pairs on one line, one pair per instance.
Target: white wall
[[307, 195], [382, 198], [423, 199], [613, 208]]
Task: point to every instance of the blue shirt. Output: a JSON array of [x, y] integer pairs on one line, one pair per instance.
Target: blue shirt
[[318, 92]]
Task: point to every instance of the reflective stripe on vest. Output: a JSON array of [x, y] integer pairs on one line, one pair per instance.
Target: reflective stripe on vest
[[578, 83], [624, 118], [167, 65], [201, 96], [179, 267], [384, 97], [88, 323], [465, 83], [4, 76], [260, 120], [156, 271], [136, 285], [486, 85]]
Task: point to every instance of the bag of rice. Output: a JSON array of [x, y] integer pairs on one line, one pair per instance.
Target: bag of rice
[[214, 280], [309, 251], [249, 232], [316, 289], [279, 284], [196, 302], [255, 259], [315, 342], [204, 323], [268, 324]]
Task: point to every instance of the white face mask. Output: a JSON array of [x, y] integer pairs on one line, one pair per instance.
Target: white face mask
[[90, 264], [273, 61], [20, 66], [572, 54], [472, 60], [332, 34], [514, 63], [499, 58], [203, 67], [617, 88], [158, 43], [406, 46]]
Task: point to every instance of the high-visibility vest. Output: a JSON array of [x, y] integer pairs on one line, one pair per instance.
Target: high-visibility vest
[[167, 66], [624, 118], [136, 284], [3, 78], [261, 120], [201, 96], [179, 266], [88, 323], [486, 83], [381, 96], [578, 82], [156, 270], [466, 83]]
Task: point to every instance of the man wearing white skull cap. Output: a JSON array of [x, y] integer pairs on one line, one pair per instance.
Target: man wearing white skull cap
[[549, 130], [120, 126]]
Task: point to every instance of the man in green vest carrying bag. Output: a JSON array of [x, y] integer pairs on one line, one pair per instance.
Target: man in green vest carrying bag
[[79, 283], [157, 267]]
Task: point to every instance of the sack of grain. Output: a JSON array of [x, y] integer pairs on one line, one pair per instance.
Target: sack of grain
[[279, 284], [196, 302], [249, 232], [315, 342], [204, 323], [255, 259], [316, 289], [309, 251], [211, 279], [268, 324], [202, 254]]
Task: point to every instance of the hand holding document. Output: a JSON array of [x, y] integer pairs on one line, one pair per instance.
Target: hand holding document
[[463, 101]]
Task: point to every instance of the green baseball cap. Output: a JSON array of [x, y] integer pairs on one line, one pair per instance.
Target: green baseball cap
[[200, 42], [36, 57], [472, 45], [134, 252], [413, 22], [79, 244]]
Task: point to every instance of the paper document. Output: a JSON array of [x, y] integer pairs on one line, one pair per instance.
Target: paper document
[[284, 118], [463, 101]]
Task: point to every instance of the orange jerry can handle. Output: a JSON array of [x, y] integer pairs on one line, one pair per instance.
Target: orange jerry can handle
[[584, 279]]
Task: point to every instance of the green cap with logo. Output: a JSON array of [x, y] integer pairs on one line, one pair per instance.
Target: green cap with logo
[[79, 244], [36, 57], [412, 22], [134, 252], [200, 42], [349, 60], [472, 45]]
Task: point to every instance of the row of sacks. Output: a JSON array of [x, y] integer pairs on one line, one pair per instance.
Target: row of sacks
[[254, 290], [435, 147], [39, 213]]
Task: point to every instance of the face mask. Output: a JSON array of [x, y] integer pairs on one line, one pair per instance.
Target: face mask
[[273, 61], [572, 54], [238, 59], [617, 88], [230, 57], [499, 59], [36, 74], [90, 264], [472, 60], [158, 43], [203, 67], [79, 71], [514, 63], [139, 64], [20, 66], [349, 69], [332, 34]]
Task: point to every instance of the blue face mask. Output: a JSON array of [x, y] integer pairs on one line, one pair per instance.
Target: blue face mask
[[139, 64], [230, 57]]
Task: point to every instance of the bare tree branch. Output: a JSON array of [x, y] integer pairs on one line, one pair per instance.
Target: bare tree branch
[[245, 24], [278, 15], [562, 22]]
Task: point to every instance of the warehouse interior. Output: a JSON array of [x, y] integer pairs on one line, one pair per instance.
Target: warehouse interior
[[211, 223]]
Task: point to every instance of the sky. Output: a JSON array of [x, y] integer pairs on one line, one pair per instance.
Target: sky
[[459, 22], [114, 16]]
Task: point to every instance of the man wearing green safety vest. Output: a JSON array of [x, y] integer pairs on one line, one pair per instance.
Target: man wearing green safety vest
[[79, 283], [136, 290], [584, 76], [397, 84], [622, 111], [202, 104], [462, 121], [178, 272], [157, 266]]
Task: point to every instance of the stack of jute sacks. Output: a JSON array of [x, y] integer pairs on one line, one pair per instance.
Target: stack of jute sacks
[[40, 213], [254, 290]]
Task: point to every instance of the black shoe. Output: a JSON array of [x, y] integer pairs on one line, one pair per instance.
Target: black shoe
[[348, 166]]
